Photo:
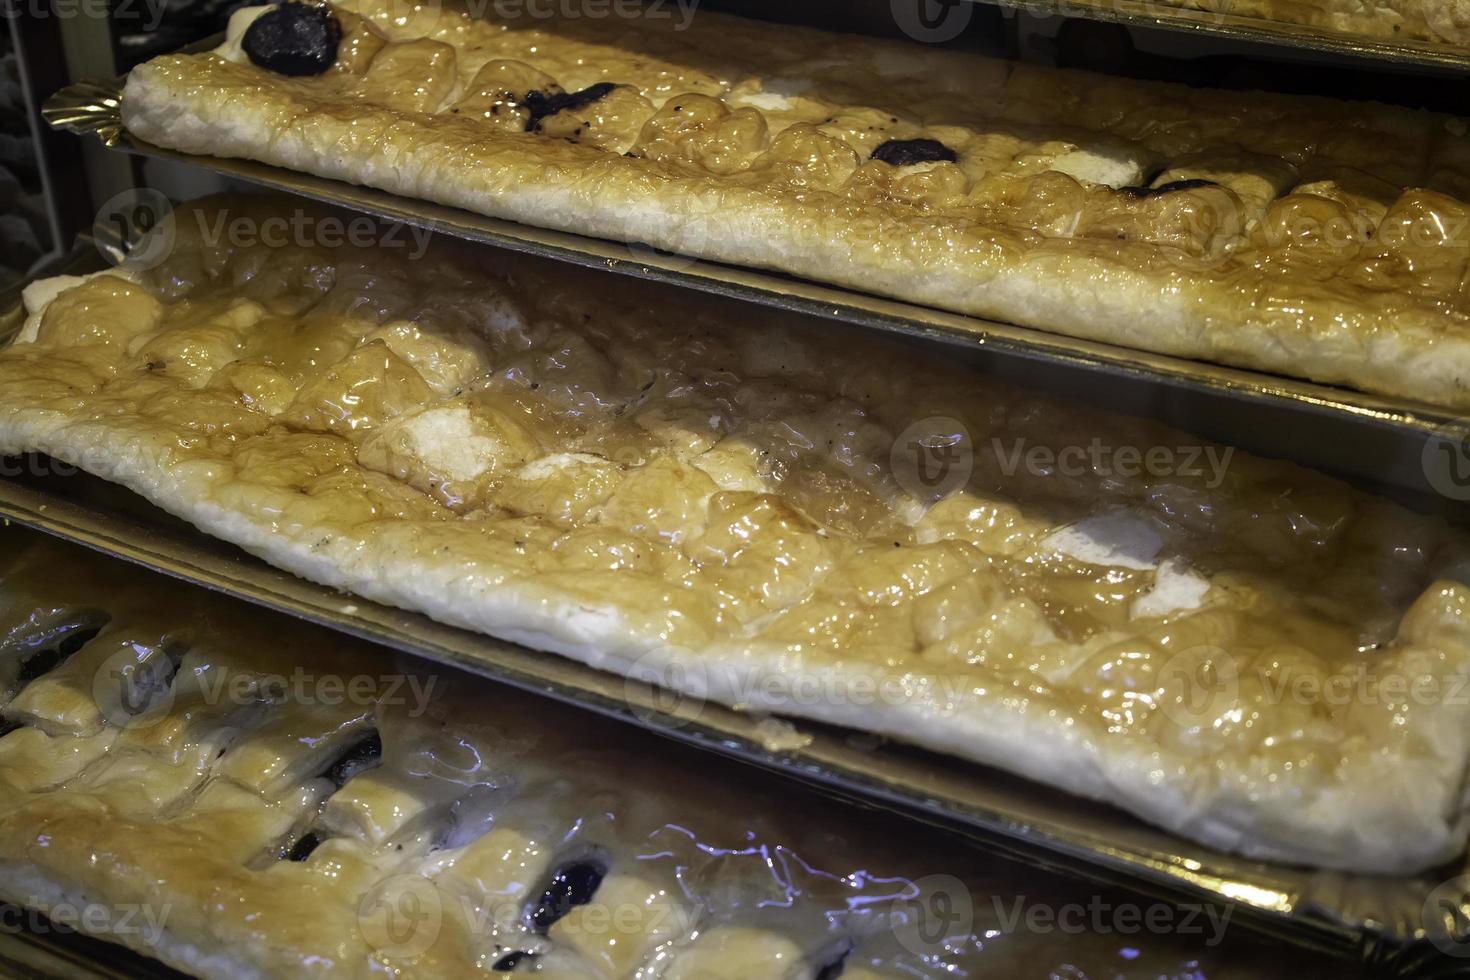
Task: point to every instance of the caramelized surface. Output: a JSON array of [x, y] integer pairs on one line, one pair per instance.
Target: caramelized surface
[[220, 797], [676, 479], [1297, 235], [1045, 159]]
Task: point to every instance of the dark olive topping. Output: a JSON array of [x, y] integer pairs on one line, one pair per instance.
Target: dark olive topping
[[293, 39], [302, 849], [511, 960], [1170, 187], [901, 153], [571, 886], [362, 754], [46, 657], [540, 105]]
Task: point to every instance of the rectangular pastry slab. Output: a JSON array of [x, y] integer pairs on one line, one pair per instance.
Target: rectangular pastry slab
[[1297, 235], [1330, 910], [443, 784], [1387, 433]]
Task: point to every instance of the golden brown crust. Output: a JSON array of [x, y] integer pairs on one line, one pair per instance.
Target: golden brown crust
[[735, 507], [1330, 244], [427, 860]]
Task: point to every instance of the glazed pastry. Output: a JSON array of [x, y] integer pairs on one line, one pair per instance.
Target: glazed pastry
[[282, 793], [1302, 236], [783, 516], [1441, 21]]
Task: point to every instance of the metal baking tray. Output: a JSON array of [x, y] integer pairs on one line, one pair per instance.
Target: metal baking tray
[[1266, 414], [1392, 924], [52, 952], [1160, 15]]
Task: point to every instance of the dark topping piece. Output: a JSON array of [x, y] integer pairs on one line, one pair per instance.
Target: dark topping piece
[[901, 153], [573, 885], [55, 651], [361, 755], [511, 960], [293, 39], [1170, 187], [540, 105], [303, 848], [833, 968]]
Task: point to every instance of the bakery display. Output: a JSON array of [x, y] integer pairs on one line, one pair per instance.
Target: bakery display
[[263, 798], [1303, 236], [660, 484]]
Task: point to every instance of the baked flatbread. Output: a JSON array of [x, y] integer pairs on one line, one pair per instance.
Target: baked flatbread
[[783, 517], [1308, 237], [286, 802]]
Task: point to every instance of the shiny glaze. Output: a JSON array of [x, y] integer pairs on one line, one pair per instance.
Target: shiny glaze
[[195, 802], [730, 485], [1302, 218]]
